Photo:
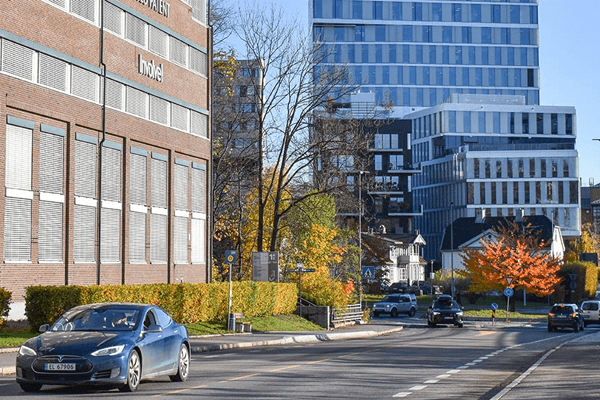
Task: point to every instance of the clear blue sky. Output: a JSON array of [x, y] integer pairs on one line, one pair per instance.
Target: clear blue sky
[[569, 68]]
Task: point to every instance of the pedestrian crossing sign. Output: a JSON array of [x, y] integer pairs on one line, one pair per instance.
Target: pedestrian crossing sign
[[368, 272]]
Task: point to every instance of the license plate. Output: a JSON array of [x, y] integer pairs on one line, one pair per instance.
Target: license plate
[[59, 367]]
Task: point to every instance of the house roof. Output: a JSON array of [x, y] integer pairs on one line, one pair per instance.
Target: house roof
[[377, 247], [466, 228]]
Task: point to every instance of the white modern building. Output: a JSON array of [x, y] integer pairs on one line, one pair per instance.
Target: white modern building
[[496, 154]]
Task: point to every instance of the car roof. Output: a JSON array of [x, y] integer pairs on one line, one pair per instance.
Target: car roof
[[116, 305]]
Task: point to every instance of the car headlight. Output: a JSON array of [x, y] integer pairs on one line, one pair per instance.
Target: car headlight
[[459, 313], [436, 313], [109, 351], [26, 351], [387, 306]]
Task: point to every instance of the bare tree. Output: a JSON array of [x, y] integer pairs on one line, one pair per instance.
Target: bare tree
[[298, 91]]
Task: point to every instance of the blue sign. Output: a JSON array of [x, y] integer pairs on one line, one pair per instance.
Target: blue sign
[[368, 272], [494, 306], [508, 292], [230, 256]]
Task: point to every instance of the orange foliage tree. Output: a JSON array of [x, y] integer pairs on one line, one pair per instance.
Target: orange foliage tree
[[508, 255]]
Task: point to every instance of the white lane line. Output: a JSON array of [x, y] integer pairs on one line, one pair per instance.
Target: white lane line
[[464, 367], [524, 375], [442, 376], [418, 387], [453, 371], [477, 361], [402, 394], [431, 381]]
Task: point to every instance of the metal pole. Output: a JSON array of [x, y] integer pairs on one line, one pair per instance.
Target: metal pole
[[452, 245], [360, 238], [229, 321], [507, 303]]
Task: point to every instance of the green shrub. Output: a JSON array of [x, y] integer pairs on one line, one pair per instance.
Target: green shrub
[[5, 300], [186, 302]]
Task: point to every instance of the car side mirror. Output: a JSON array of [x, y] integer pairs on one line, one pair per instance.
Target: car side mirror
[[153, 328], [44, 328]]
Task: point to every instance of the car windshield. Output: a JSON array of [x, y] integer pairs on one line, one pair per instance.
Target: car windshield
[[98, 319], [562, 310], [589, 306], [390, 299], [444, 305]]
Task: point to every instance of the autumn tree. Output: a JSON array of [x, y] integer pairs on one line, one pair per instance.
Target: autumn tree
[[295, 87], [512, 251]]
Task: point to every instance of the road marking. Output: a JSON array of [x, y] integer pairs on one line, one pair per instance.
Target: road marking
[[402, 394], [318, 361], [524, 374], [432, 381], [442, 376], [485, 333], [179, 391], [418, 387], [284, 368], [239, 378], [453, 371]]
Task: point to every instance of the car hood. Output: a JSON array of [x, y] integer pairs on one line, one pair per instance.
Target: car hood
[[79, 342]]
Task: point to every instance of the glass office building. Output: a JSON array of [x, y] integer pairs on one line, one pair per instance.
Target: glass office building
[[417, 53], [466, 73]]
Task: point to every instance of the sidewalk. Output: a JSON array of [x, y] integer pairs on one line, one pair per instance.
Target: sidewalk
[[209, 343]]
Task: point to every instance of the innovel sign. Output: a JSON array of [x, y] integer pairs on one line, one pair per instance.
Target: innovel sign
[[149, 69]]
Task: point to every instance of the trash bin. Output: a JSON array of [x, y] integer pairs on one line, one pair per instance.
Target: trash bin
[[231, 322]]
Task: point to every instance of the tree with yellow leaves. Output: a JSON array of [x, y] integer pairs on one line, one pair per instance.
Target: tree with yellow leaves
[[512, 252]]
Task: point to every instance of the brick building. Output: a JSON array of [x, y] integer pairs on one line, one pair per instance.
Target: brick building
[[146, 136]]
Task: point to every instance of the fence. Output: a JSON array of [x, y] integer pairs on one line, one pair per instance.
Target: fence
[[352, 314]]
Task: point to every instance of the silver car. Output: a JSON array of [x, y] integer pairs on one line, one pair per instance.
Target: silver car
[[395, 304], [590, 310]]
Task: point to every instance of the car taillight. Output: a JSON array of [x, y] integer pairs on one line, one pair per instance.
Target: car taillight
[[551, 314]]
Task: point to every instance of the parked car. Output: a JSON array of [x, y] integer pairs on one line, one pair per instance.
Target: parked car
[[397, 287], [564, 315], [395, 304], [444, 310], [590, 311], [116, 344]]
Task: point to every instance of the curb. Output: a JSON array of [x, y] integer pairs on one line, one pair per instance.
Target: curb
[[7, 371], [296, 339]]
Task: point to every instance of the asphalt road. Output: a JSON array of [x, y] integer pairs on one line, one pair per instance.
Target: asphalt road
[[475, 362]]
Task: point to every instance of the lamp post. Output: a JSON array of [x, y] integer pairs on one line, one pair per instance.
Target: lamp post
[[452, 245], [360, 211]]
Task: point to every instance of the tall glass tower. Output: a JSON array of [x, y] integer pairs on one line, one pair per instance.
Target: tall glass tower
[[466, 74], [416, 54]]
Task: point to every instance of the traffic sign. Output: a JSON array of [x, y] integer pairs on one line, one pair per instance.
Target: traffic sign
[[494, 306], [508, 292], [230, 256], [368, 272]]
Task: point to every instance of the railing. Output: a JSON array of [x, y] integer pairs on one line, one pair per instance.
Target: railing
[[351, 314]]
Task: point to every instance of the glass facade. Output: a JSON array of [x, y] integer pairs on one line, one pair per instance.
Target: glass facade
[[417, 53]]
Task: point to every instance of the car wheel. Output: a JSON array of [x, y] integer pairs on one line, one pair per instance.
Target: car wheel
[[183, 367], [376, 314], [31, 387], [585, 324], [412, 312], [394, 313], [550, 328], [459, 325], [134, 372], [576, 327]]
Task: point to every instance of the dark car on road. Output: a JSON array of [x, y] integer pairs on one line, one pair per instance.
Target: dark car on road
[[446, 311], [116, 344], [565, 316]]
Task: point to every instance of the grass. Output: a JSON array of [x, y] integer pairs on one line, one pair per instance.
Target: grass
[[14, 335], [287, 323]]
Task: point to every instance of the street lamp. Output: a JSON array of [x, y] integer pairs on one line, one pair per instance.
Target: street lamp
[[360, 211], [452, 244]]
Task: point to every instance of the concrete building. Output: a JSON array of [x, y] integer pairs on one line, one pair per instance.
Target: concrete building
[[105, 143]]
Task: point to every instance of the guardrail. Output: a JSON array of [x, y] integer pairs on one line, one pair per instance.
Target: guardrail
[[351, 314]]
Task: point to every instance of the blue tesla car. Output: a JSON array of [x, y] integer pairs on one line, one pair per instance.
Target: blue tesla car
[[108, 343]]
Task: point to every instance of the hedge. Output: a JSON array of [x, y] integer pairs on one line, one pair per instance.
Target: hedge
[[5, 300], [186, 302]]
